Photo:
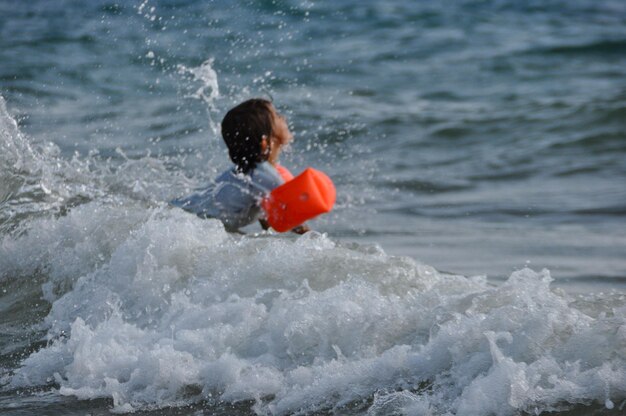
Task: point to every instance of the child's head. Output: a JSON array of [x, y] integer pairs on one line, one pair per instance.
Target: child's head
[[254, 132]]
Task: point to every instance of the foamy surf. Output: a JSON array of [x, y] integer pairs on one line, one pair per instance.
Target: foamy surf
[[152, 308]]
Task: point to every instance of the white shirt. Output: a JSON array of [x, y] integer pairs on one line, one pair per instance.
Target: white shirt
[[234, 198]]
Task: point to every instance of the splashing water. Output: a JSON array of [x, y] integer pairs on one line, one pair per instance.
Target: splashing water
[[150, 307], [208, 91], [157, 308]]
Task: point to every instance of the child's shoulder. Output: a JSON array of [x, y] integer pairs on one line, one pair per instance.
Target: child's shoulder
[[266, 176]]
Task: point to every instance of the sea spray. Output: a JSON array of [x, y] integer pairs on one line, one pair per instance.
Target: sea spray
[[177, 305], [20, 165], [207, 91]]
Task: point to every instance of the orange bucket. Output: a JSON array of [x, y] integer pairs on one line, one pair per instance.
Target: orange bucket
[[304, 197]]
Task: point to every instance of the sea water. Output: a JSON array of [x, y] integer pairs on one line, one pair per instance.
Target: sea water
[[474, 263]]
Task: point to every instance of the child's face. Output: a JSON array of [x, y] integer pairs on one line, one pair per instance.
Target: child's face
[[280, 129], [281, 135]]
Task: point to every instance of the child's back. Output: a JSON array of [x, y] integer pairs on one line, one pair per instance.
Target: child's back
[[254, 134], [234, 197]]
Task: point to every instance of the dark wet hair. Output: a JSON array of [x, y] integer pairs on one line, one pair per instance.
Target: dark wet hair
[[243, 128]]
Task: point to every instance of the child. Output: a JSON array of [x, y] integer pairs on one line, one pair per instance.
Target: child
[[255, 134]]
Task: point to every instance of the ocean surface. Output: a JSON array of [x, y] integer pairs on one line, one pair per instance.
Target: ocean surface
[[475, 262]]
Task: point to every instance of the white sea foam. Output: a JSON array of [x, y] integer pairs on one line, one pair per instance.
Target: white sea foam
[[159, 308]]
